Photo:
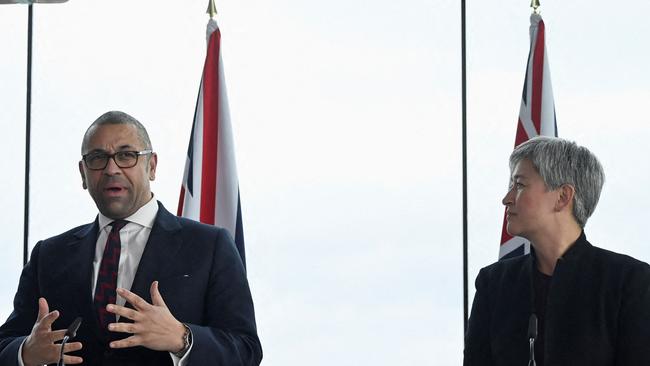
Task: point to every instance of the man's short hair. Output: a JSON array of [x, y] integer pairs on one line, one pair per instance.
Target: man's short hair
[[559, 162], [118, 118]]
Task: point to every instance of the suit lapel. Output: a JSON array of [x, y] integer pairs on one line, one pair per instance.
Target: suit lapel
[[80, 259], [158, 259]]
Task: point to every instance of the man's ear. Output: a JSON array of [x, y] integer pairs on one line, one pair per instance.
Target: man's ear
[[565, 197], [83, 176], [153, 162]]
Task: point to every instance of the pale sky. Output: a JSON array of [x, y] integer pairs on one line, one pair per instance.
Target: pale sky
[[346, 115]]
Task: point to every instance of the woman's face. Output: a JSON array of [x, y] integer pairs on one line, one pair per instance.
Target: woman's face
[[529, 204]]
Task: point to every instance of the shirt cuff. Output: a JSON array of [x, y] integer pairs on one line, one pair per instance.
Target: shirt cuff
[[20, 354]]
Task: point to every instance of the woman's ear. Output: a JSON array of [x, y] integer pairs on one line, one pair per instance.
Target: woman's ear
[[565, 197]]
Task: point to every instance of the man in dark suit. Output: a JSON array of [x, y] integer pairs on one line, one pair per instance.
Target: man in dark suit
[[189, 302]]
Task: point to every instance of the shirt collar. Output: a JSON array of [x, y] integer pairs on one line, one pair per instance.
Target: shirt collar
[[144, 216]]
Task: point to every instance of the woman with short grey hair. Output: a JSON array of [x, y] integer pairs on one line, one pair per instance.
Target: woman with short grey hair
[[592, 306]]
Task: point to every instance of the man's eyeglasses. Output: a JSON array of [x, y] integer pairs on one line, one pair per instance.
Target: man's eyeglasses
[[123, 159]]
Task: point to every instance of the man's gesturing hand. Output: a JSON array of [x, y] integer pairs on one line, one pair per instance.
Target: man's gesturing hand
[[153, 325], [39, 347]]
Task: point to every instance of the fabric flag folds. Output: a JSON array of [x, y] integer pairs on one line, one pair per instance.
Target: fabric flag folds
[[536, 116], [210, 189]]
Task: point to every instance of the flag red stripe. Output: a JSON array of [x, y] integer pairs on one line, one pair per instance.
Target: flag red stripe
[[538, 78], [181, 201], [210, 130], [521, 135]]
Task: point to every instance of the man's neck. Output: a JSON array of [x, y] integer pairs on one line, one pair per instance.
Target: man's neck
[[143, 216]]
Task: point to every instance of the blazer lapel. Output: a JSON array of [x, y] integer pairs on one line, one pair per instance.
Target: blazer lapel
[[159, 256]]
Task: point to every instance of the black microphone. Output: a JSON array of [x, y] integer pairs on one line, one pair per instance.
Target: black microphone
[[69, 334], [532, 335]]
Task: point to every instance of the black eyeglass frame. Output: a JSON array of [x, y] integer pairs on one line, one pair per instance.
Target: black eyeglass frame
[[112, 156]]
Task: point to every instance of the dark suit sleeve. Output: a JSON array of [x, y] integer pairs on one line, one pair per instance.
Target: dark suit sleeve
[[633, 338], [229, 335], [22, 319], [477, 338]]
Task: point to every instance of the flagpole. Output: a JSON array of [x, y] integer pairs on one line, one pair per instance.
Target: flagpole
[[464, 138], [28, 112], [28, 128]]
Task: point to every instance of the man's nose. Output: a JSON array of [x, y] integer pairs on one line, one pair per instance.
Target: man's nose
[[111, 167]]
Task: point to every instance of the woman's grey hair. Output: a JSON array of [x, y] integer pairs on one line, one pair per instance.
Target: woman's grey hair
[[559, 162]]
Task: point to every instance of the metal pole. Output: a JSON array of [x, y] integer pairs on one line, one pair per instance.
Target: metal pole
[[28, 132], [464, 116]]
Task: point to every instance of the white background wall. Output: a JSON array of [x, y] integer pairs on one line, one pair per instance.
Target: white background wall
[[346, 117]]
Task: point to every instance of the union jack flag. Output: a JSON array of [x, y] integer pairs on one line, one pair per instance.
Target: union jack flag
[[536, 116], [210, 189]]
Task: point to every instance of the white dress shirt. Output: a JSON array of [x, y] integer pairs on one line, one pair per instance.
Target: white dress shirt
[[133, 239]]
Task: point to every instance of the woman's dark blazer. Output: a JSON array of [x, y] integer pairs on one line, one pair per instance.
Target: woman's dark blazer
[[597, 312]]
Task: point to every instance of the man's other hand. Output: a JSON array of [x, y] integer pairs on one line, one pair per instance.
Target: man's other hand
[[153, 325]]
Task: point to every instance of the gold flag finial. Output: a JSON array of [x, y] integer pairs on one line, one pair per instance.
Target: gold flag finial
[[212, 9], [535, 5]]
